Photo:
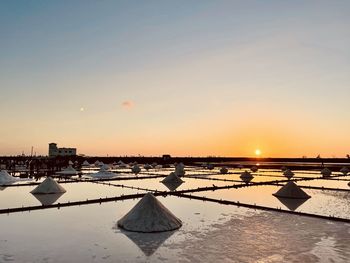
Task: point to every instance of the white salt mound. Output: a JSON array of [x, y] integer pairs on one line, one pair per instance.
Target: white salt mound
[[326, 172], [149, 215], [172, 178], [122, 165], [224, 170], [85, 163], [136, 169], [48, 186], [291, 190], [288, 173], [98, 163], [147, 166], [6, 178], [254, 169], [104, 173], [68, 171], [210, 166], [246, 176], [180, 169], [105, 167]]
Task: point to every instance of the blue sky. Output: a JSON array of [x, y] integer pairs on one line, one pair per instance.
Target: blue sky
[[198, 77]]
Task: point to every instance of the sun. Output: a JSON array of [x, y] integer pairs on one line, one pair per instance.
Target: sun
[[257, 152]]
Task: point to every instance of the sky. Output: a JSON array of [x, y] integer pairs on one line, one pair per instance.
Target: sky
[[185, 77]]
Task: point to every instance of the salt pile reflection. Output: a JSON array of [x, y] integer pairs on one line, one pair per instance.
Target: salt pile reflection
[[291, 203], [210, 232], [47, 199], [148, 242]]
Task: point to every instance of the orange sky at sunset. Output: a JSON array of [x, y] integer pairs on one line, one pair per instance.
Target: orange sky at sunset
[[128, 79]]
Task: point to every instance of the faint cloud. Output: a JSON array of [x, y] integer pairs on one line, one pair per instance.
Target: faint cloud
[[128, 104], [82, 109]]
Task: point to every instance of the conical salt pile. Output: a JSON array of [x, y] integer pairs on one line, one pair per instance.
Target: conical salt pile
[[68, 171], [180, 169], [291, 190], [210, 166], [6, 178], [48, 186], [172, 178], [345, 170], [105, 167], [224, 170], [254, 169], [136, 169], [326, 172], [85, 163], [149, 215], [98, 163], [147, 166], [121, 164], [288, 173], [104, 173], [246, 176]]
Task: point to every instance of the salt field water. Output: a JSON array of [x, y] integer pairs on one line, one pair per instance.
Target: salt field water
[[210, 232]]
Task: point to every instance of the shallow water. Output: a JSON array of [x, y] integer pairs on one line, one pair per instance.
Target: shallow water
[[327, 203], [210, 233]]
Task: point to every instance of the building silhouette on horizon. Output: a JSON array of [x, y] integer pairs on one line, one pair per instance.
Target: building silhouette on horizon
[[55, 151]]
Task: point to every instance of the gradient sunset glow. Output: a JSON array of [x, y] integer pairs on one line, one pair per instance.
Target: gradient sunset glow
[[198, 78]]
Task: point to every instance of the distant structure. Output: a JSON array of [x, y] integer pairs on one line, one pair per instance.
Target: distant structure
[[166, 157], [54, 151]]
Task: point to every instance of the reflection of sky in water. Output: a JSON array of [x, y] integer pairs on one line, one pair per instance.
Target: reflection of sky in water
[[321, 202], [207, 233], [210, 233], [260, 175], [328, 183], [18, 196]]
